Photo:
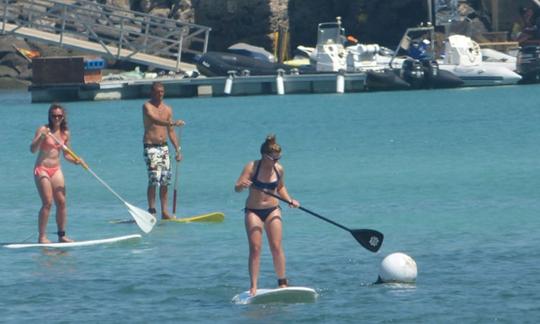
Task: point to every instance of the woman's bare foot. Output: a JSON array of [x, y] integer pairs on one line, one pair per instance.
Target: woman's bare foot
[[43, 240], [253, 291], [65, 239], [62, 238]]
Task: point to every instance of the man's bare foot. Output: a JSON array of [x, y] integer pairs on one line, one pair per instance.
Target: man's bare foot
[[43, 240], [253, 291], [165, 215]]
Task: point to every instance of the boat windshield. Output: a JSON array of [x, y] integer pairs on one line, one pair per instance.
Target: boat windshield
[[330, 33]]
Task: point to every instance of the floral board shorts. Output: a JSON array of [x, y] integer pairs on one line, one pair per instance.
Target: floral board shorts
[[158, 164]]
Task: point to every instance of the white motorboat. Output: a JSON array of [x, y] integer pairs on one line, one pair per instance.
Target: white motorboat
[[463, 57], [332, 55], [509, 61]]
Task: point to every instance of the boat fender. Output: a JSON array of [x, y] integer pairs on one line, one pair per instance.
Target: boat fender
[[229, 82], [340, 81], [280, 85]]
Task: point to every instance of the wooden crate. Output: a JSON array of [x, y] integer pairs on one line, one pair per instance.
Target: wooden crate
[[58, 70], [92, 76]]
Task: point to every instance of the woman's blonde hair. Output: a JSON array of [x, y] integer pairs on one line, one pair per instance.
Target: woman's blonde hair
[[270, 146]]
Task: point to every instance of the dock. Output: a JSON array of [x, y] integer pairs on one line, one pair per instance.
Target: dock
[[110, 32], [204, 87]]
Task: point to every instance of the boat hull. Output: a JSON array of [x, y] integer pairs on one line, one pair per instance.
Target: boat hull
[[528, 63], [221, 64]]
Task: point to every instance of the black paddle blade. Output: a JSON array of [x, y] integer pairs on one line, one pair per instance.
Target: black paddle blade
[[369, 239]]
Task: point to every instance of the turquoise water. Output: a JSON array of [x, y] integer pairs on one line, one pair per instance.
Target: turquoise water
[[451, 177]]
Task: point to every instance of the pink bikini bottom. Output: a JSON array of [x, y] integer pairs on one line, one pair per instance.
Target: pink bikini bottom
[[49, 171]]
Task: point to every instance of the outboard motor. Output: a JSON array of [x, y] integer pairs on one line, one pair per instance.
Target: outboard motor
[[528, 63], [420, 50], [412, 72], [431, 71]]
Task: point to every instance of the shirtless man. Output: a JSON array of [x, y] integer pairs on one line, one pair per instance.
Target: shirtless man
[[158, 124]]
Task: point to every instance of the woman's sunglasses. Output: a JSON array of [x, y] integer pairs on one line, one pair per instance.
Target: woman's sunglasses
[[273, 158]]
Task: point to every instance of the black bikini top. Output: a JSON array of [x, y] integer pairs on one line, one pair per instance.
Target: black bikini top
[[264, 185]]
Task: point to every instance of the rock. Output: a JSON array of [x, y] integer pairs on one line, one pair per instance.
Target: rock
[[47, 50], [12, 83], [122, 4], [160, 12], [6, 71], [15, 61], [7, 42]]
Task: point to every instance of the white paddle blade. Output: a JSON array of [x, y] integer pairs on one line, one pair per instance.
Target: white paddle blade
[[144, 219]]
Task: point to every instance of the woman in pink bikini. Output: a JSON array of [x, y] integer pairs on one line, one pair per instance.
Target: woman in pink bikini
[[47, 172]]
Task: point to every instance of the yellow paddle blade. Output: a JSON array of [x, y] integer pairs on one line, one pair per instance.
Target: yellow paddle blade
[[144, 219]]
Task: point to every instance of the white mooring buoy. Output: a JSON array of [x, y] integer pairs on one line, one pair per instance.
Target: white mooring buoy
[[397, 268]]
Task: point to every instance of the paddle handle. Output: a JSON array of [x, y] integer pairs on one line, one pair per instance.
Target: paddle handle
[[306, 210]]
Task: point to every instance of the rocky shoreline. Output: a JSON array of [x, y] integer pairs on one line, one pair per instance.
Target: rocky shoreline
[[249, 21]]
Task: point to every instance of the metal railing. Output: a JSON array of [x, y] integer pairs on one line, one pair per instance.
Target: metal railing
[[115, 29]]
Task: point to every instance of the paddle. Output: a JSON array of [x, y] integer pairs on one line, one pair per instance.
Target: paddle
[[369, 239], [143, 219], [176, 176]]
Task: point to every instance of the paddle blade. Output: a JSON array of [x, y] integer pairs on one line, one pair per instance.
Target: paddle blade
[[369, 239], [144, 219]]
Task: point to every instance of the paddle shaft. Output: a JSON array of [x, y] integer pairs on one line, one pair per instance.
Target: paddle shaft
[[175, 195], [307, 211], [144, 220], [75, 156]]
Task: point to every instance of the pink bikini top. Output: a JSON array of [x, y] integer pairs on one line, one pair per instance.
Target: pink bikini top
[[48, 145]]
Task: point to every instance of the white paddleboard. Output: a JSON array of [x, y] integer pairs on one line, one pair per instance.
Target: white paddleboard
[[72, 244], [288, 295]]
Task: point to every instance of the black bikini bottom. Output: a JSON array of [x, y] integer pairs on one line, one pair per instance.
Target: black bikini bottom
[[262, 213]]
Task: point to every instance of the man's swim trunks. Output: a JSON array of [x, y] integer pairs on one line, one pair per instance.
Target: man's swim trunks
[[158, 164]]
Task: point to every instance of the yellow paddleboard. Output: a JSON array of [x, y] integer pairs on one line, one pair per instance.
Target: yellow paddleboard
[[215, 217]]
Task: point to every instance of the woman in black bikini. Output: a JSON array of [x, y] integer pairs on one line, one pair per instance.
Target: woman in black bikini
[[263, 210]]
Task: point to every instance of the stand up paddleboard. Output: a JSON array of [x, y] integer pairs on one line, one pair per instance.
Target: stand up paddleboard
[[72, 244], [215, 217], [288, 295]]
